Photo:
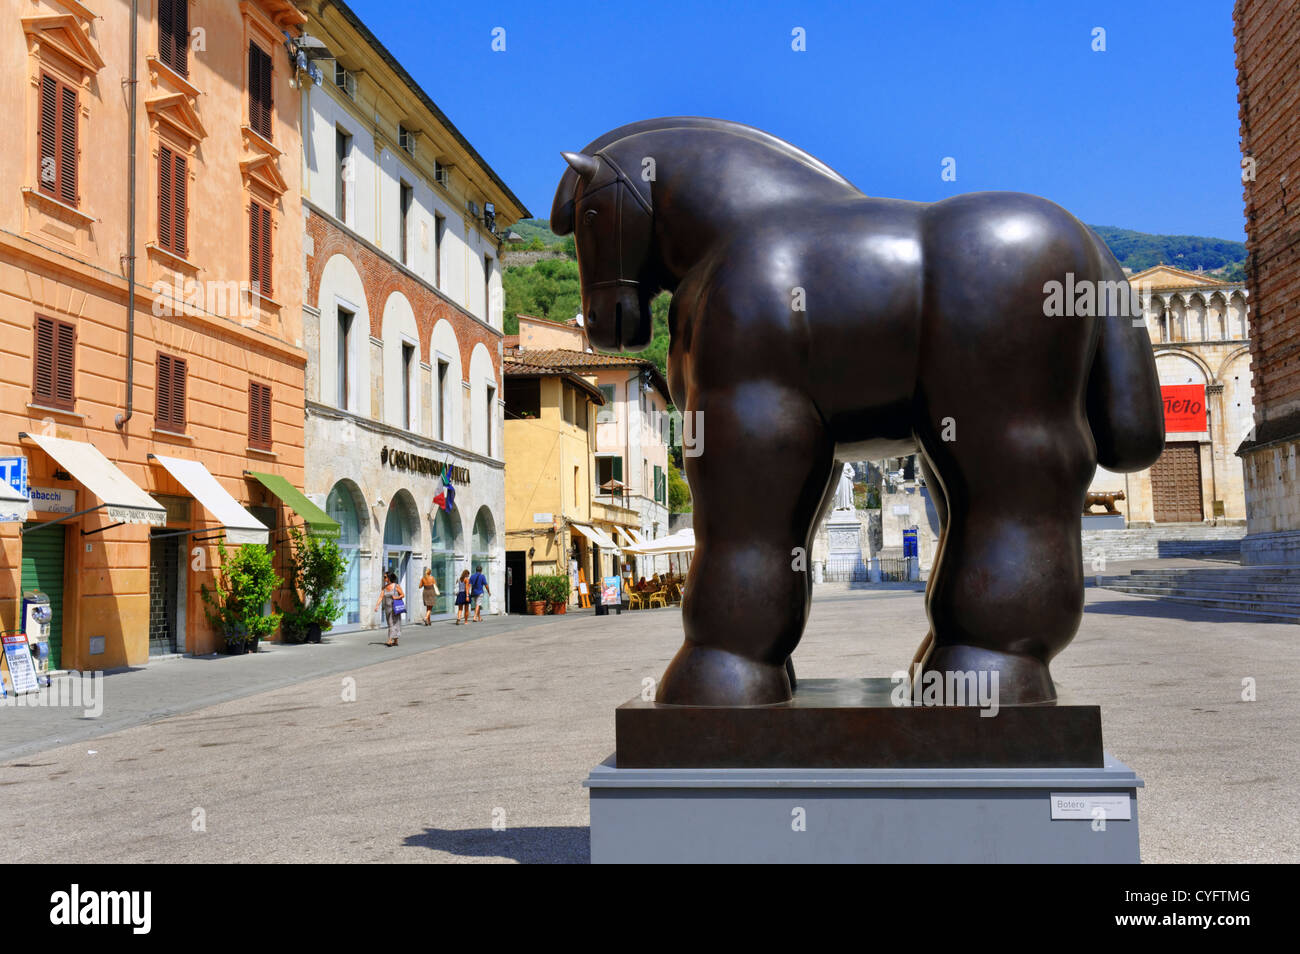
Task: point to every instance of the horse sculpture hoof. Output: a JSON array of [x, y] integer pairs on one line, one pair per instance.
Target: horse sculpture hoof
[[1021, 680], [702, 676]]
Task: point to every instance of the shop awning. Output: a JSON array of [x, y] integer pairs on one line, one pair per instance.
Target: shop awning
[[124, 501], [319, 523], [598, 537], [238, 524], [625, 535], [13, 505], [683, 541]]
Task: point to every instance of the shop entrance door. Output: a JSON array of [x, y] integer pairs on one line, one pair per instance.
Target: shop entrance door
[[516, 569], [164, 592], [43, 572]]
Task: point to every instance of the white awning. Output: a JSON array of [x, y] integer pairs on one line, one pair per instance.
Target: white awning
[[627, 537], [597, 537], [239, 525], [683, 541], [124, 501], [635, 535], [13, 505]]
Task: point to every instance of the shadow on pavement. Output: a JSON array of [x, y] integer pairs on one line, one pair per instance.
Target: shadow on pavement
[[558, 845]]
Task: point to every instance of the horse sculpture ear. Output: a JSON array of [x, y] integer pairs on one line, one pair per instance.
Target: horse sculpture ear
[[581, 166]]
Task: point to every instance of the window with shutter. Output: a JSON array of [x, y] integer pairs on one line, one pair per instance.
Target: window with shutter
[[58, 140], [174, 34], [259, 416], [53, 360], [259, 248], [169, 411], [259, 91], [172, 170]]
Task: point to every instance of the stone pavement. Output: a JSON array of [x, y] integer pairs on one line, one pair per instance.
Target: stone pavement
[[443, 742], [173, 685]]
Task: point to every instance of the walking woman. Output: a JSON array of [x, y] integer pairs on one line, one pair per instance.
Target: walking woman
[[429, 588], [462, 597], [393, 600]]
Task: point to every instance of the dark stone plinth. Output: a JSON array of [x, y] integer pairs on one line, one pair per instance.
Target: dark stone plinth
[[853, 723]]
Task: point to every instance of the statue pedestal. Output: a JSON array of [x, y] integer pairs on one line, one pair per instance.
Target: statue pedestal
[[840, 773], [794, 816], [844, 545], [1104, 521]]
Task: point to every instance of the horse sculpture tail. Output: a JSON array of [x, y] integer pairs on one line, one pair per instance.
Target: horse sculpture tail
[[1125, 410]]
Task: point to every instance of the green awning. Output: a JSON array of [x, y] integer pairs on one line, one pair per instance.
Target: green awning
[[319, 523]]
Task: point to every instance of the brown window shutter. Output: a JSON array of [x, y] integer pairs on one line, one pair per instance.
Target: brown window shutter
[[65, 346], [180, 213], [165, 215], [163, 397], [166, 33], [178, 382], [266, 416], [254, 248], [174, 34], [266, 251], [48, 171], [259, 90], [68, 145], [43, 361], [259, 416]]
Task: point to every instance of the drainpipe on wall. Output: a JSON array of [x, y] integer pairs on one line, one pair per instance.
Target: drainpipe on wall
[[131, 83]]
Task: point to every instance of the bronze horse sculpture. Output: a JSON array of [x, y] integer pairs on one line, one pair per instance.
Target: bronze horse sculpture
[[812, 324]]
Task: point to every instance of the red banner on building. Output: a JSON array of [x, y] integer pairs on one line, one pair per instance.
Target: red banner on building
[[1184, 408]]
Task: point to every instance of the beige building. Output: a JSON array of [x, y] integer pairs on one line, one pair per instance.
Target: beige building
[[1199, 329], [550, 434], [630, 471]]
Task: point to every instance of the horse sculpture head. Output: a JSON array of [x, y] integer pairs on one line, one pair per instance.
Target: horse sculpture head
[[613, 230]]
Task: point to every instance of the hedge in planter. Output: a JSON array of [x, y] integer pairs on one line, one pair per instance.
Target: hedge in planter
[[537, 590], [243, 583]]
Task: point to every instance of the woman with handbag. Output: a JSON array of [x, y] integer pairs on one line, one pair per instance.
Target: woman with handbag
[[462, 597], [393, 600]]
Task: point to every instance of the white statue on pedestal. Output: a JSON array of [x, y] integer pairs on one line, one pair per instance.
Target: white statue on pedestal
[[844, 492]]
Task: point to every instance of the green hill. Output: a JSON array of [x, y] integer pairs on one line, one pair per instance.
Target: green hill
[[550, 288], [1139, 250]]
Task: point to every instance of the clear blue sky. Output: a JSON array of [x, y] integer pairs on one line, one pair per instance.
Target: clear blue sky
[[1143, 135]]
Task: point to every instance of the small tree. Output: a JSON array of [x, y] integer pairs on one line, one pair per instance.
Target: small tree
[[679, 492], [318, 571], [242, 586]]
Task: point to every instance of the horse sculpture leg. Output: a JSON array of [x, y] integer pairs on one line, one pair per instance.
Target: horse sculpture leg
[[748, 591], [1006, 593]]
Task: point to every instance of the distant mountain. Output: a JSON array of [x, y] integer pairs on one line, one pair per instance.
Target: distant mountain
[[530, 229], [1140, 250]]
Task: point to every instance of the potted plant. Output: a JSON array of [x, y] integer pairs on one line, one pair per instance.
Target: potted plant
[[242, 586], [319, 570], [537, 594], [558, 593]]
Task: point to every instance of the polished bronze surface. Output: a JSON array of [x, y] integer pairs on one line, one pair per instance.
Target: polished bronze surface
[[812, 324], [852, 723]]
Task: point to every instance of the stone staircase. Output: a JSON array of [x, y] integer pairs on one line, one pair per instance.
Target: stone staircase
[[1161, 541], [1266, 592]]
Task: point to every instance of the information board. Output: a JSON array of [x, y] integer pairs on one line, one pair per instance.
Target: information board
[[22, 674]]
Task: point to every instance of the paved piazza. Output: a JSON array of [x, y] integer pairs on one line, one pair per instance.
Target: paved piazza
[[440, 742]]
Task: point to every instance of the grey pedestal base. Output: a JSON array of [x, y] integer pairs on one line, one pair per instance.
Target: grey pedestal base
[[857, 815]]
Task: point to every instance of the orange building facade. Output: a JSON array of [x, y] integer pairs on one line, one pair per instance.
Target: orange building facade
[[119, 523]]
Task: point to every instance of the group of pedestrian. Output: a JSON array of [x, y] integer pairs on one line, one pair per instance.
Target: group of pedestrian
[[471, 590]]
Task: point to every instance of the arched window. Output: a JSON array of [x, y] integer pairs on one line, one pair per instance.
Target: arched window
[[483, 539], [341, 506], [442, 558]]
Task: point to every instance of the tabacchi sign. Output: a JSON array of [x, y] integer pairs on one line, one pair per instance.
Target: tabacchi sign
[[1184, 408]]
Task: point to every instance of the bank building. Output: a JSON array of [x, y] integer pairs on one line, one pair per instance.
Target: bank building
[[402, 321]]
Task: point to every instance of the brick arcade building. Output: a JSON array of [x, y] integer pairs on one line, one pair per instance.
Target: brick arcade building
[[1268, 79]]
